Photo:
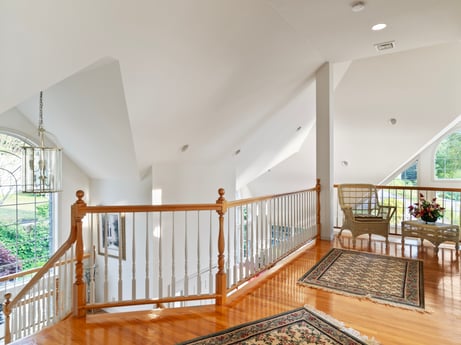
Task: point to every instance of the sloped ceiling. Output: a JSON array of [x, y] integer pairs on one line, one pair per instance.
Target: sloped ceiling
[[128, 84]]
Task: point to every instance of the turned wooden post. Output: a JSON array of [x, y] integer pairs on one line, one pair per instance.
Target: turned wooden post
[[221, 279], [7, 312], [79, 290], [319, 225]]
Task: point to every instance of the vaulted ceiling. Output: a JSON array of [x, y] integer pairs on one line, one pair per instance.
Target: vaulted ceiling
[[129, 83]]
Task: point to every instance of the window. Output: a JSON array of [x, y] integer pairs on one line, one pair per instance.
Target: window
[[408, 177], [26, 220], [447, 159]]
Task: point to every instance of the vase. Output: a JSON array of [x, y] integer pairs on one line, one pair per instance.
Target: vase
[[428, 219]]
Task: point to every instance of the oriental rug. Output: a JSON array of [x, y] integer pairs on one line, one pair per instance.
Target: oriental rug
[[300, 326], [385, 279]]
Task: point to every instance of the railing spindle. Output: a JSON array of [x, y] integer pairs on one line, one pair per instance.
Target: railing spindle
[[146, 248], [133, 260]]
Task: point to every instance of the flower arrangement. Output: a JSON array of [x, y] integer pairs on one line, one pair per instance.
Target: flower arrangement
[[427, 211]]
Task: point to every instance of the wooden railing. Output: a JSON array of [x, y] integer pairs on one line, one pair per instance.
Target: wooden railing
[[178, 255], [41, 295], [192, 254], [403, 196], [164, 255]]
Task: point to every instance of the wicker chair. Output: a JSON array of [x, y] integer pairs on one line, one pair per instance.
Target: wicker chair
[[362, 211]]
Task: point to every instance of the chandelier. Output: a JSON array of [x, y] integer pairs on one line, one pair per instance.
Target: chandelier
[[42, 164]]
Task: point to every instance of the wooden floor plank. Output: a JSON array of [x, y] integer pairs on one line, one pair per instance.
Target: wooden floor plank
[[278, 293]]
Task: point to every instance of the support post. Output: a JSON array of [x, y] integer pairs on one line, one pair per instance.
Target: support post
[[79, 288], [319, 223], [7, 312], [325, 145], [221, 278]]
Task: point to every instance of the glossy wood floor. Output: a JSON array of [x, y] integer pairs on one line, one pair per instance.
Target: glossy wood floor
[[279, 292]]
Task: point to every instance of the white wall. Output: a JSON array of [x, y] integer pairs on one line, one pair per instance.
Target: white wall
[[277, 181], [193, 182]]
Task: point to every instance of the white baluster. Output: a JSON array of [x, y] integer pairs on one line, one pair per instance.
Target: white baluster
[[147, 288], [251, 242], [173, 277], [186, 258], [241, 262], [51, 300], [199, 279], [210, 250], [160, 271], [133, 260], [235, 266]]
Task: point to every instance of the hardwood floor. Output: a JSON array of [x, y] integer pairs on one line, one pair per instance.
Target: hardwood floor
[[279, 292]]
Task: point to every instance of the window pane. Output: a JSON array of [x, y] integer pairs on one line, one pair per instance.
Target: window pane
[[25, 219], [447, 159]]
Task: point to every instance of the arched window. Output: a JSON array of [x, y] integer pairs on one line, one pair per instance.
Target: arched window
[[447, 158], [26, 220]]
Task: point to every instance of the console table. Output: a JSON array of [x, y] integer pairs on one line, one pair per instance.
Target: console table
[[435, 233]]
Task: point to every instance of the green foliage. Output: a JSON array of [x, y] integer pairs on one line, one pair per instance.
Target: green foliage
[[29, 242], [447, 161], [456, 196]]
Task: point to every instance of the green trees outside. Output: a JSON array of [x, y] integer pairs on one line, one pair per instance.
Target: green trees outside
[[447, 160], [29, 243], [25, 228]]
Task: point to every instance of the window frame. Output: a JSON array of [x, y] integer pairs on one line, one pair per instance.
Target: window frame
[[50, 220], [434, 154]]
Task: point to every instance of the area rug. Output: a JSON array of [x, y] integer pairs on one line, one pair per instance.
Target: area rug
[[384, 279], [300, 326]]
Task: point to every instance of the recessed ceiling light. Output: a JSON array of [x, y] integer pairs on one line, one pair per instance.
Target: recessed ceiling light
[[345, 163], [184, 148], [237, 152], [358, 6], [378, 27], [393, 121]]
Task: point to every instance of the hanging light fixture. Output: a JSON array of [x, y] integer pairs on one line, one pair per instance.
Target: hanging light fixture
[[41, 165]]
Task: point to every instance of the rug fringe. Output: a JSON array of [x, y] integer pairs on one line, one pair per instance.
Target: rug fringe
[[366, 298], [342, 327]]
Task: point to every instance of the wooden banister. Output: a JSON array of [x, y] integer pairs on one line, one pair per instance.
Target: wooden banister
[[79, 291], [319, 224], [221, 289]]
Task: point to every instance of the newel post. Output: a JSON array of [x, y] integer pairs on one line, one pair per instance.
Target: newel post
[[79, 288], [221, 279], [319, 225], [7, 312]]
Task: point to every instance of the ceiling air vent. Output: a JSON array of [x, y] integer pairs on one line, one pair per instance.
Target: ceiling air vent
[[385, 45]]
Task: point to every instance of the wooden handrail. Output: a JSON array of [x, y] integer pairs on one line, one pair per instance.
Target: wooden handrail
[[8, 305], [34, 270], [263, 198], [43, 270], [80, 209], [150, 208]]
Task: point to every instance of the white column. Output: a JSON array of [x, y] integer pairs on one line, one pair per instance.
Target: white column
[[324, 134]]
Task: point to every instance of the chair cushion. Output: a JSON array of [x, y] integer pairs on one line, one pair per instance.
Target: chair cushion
[[367, 217]]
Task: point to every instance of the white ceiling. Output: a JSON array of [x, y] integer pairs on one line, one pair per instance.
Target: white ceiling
[[128, 83]]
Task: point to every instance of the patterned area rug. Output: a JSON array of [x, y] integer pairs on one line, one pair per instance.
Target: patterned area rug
[[301, 326], [384, 279]]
